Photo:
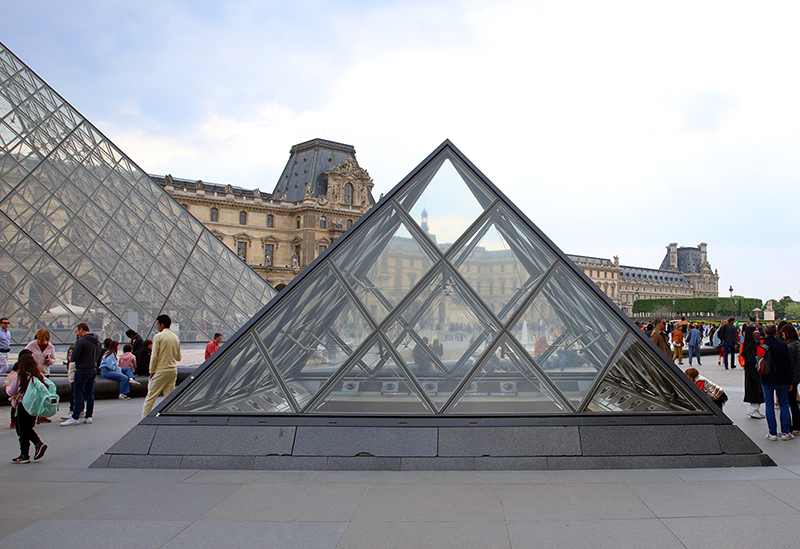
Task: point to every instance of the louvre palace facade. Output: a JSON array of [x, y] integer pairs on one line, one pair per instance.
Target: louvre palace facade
[[323, 191]]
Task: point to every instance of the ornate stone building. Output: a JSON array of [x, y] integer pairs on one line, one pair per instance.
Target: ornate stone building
[[320, 194]]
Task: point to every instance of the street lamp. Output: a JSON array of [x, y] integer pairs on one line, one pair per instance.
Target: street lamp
[[673, 308], [731, 291]]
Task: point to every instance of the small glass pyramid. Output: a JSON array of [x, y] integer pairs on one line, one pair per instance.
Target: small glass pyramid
[[443, 301], [87, 236]]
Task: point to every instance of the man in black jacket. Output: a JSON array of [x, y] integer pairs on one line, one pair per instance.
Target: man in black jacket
[[777, 381], [729, 335], [85, 356]]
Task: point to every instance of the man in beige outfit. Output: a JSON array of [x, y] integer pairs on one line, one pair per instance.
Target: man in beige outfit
[[163, 363]]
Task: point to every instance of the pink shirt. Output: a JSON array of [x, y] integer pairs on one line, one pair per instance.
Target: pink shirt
[[127, 360], [39, 356], [211, 348]]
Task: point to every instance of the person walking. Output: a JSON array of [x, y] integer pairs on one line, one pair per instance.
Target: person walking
[[25, 422], [85, 356], [694, 341], [677, 344], [163, 363]]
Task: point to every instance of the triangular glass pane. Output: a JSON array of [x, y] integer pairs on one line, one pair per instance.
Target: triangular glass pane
[[638, 383], [442, 311], [502, 261], [383, 260], [569, 332], [313, 330], [445, 198], [506, 382], [240, 382], [372, 383]]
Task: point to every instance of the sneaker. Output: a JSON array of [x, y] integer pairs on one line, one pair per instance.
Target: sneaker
[[88, 421], [40, 450], [134, 382], [21, 459], [124, 397], [772, 437], [43, 420], [787, 436], [70, 421], [698, 363], [12, 425], [756, 415]]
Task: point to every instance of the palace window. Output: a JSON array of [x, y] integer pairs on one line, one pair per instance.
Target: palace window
[[270, 221], [242, 218], [297, 220], [348, 193], [269, 253], [241, 250], [214, 214], [321, 248], [323, 222], [349, 223]]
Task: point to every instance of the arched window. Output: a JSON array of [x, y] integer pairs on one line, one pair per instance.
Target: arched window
[[349, 223], [348, 193], [322, 222], [298, 221], [270, 220], [214, 214], [242, 218]]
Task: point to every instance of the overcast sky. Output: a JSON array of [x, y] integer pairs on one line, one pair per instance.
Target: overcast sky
[[617, 127]]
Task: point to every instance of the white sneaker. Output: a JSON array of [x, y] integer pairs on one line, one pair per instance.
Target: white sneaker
[[787, 436], [87, 421], [70, 421], [756, 415], [134, 382], [772, 437]]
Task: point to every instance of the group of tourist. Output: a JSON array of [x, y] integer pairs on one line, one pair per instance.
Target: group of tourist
[[778, 386], [158, 359]]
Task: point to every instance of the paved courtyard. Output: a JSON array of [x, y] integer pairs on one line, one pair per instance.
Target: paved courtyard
[[59, 502]]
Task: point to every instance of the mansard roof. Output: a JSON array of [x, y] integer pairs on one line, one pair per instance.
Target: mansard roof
[[662, 276]]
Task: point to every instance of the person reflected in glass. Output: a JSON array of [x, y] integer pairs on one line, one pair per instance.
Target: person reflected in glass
[[438, 350], [421, 358]]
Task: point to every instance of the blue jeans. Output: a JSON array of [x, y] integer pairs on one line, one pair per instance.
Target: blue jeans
[[83, 385], [694, 350], [730, 350], [783, 399], [124, 384]]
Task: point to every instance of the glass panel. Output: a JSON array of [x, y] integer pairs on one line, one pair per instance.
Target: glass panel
[[445, 198], [313, 331], [506, 382], [372, 383], [503, 261], [240, 381], [638, 383], [569, 332], [443, 313], [382, 260]]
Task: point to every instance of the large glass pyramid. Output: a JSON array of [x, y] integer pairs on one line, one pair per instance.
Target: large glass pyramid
[[443, 300], [87, 236]]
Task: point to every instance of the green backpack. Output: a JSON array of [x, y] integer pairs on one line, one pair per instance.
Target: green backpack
[[41, 399]]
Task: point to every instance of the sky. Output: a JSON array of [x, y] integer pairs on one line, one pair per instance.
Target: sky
[[617, 127]]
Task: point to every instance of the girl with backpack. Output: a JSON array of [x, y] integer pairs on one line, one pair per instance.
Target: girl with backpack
[[25, 422]]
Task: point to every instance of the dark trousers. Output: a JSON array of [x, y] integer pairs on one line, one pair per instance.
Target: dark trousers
[[794, 408], [730, 351], [25, 432], [83, 384]]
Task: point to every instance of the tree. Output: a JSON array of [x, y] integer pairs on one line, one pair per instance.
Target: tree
[[793, 310], [780, 306]]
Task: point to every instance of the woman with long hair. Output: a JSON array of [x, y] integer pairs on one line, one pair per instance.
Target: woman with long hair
[[25, 422], [791, 339], [45, 356]]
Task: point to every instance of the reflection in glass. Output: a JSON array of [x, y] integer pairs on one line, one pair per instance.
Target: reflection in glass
[[375, 259], [637, 382], [372, 383], [440, 333], [503, 262], [444, 199], [569, 333], [243, 383], [507, 383]]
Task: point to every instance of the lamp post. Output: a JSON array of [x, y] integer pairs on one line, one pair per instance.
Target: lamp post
[[736, 302], [731, 291], [673, 308]]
